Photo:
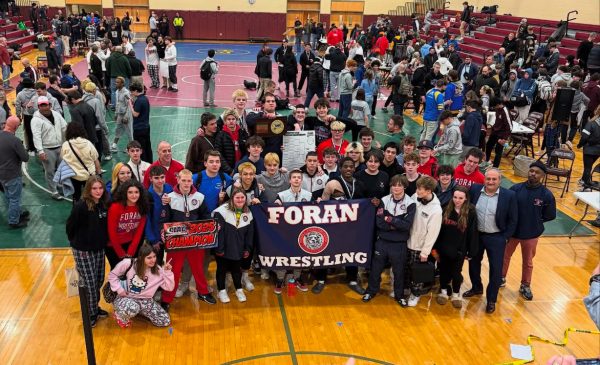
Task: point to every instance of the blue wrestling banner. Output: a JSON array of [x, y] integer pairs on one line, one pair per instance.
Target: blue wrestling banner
[[306, 235]]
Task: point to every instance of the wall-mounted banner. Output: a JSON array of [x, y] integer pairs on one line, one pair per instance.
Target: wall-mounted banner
[[190, 235], [306, 235]]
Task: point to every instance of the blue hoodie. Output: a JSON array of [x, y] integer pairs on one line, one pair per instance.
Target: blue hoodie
[[153, 226], [472, 129], [525, 86]]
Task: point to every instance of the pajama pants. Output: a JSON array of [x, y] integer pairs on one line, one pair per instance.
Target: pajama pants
[[90, 266], [127, 308], [527, 251], [196, 260], [153, 73]]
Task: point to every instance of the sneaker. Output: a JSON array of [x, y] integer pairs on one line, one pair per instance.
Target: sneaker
[[223, 297], [403, 302], [93, 321], [24, 215], [356, 288], [114, 148], [413, 300], [102, 313], [166, 306], [278, 286], [442, 297], [264, 274], [367, 297], [107, 158], [300, 285], [21, 224], [246, 283], [208, 298], [503, 282], [456, 300], [31, 153], [525, 291], [318, 288], [393, 294], [239, 293], [182, 288], [384, 109], [56, 196]]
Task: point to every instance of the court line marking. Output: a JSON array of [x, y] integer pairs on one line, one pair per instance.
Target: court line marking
[[299, 353], [288, 332], [41, 303], [26, 173]]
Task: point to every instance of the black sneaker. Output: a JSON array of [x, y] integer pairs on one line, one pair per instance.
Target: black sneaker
[[526, 293], [356, 288], [318, 288], [21, 224], [503, 282], [166, 306], [102, 313], [403, 302], [208, 298], [24, 215], [278, 287], [93, 321], [367, 297]]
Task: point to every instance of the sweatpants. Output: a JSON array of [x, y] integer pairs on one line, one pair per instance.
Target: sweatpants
[[527, 252], [494, 244], [588, 164], [127, 308], [208, 90], [412, 257], [394, 253], [451, 271], [50, 165], [493, 145], [333, 85], [143, 136], [196, 261], [262, 85], [28, 133], [90, 266], [124, 126], [224, 266]]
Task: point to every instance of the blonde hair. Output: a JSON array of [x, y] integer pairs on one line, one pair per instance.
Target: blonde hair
[[272, 158], [246, 166], [227, 112], [239, 93], [356, 147], [90, 87], [185, 172], [336, 124], [115, 175]]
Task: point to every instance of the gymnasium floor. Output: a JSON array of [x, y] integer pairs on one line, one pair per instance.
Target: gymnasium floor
[[301, 329]]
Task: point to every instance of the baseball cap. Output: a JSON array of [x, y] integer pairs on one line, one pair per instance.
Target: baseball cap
[[43, 100], [425, 144]]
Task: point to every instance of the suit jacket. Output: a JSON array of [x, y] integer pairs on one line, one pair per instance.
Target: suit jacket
[[506, 212], [473, 70], [306, 61]]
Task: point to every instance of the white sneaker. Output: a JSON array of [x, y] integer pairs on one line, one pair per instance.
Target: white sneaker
[[246, 282], [239, 293], [223, 297], [182, 288], [114, 148], [442, 297], [31, 153], [264, 274], [413, 301], [456, 300], [108, 158]]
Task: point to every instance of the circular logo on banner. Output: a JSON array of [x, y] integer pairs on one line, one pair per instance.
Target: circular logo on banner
[[277, 127], [313, 240]]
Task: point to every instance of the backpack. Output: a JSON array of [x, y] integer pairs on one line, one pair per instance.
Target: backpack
[[544, 90], [206, 71], [405, 86]]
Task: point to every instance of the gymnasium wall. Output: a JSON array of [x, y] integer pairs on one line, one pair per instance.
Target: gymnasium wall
[[589, 10]]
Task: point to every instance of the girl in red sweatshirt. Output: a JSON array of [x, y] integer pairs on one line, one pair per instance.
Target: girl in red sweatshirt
[[126, 219]]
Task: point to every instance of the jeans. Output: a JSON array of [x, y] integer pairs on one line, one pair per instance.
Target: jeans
[[12, 194], [310, 93], [6, 75], [495, 245], [345, 103], [333, 85]]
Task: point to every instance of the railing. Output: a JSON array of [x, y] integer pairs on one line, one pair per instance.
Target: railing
[[569, 19]]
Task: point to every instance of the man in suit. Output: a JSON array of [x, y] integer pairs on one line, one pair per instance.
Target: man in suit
[[497, 216], [306, 59], [467, 73]]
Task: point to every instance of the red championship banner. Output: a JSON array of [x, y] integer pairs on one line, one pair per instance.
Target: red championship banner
[[190, 235]]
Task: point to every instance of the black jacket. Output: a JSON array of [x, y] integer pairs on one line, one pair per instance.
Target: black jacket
[[452, 243], [402, 216], [52, 57], [290, 67], [337, 60], [88, 230], [264, 67], [137, 67], [429, 60], [95, 65], [590, 138], [225, 145], [306, 61], [234, 237], [315, 76], [84, 114]]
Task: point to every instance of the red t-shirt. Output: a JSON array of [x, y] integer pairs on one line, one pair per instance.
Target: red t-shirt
[[341, 150], [125, 224], [429, 168], [170, 176], [463, 179]]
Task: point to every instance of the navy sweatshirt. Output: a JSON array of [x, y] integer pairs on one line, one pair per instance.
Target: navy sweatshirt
[[536, 206], [402, 214]]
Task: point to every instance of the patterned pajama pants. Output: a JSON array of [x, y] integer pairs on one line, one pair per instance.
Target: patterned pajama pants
[[127, 308], [153, 72], [90, 266]]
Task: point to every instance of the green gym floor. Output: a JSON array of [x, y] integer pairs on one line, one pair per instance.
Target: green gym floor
[[177, 125]]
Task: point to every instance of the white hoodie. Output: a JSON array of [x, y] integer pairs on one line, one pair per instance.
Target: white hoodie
[[426, 226]]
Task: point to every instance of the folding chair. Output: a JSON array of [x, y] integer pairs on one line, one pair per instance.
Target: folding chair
[[565, 158]]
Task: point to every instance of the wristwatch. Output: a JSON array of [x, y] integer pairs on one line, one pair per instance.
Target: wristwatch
[[595, 278]]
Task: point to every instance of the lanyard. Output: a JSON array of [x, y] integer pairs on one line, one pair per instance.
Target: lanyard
[[395, 204], [209, 142], [337, 149], [350, 193], [186, 209]]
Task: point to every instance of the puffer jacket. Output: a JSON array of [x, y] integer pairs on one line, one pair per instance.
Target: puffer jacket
[[225, 145], [590, 138]]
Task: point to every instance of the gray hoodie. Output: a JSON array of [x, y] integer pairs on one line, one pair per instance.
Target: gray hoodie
[[508, 87], [23, 98], [451, 141], [345, 82], [99, 110], [273, 185]]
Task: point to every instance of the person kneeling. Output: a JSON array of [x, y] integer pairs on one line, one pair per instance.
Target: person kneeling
[[394, 218], [143, 278]]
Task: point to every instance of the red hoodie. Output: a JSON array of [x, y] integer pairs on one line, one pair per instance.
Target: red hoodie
[[125, 225], [235, 137], [429, 168], [463, 179]]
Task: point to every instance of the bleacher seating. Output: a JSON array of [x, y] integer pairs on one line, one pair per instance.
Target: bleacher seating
[[15, 36]]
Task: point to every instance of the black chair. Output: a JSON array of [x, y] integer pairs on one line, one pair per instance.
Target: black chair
[[565, 158]]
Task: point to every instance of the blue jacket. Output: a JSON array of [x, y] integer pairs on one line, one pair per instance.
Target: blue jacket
[[507, 212], [454, 93], [526, 87], [434, 104], [62, 178], [153, 226], [472, 129], [536, 206], [359, 74]]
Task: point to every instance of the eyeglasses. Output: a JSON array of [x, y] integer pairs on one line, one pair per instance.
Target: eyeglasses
[[337, 130]]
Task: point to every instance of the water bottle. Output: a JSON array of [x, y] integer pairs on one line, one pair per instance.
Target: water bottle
[[291, 287], [506, 145]]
